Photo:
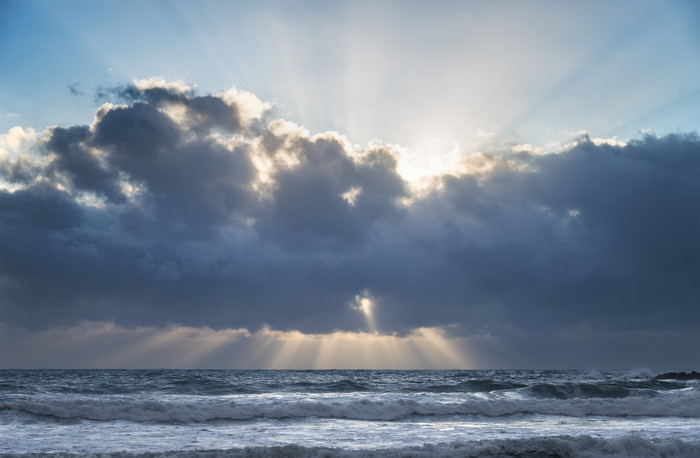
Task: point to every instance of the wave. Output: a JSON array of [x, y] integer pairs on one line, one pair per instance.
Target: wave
[[640, 373], [556, 446], [339, 386], [208, 409], [467, 386], [617, 389], [541, 384], [694, 375]]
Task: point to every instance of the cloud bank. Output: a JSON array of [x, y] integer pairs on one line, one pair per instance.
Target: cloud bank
[[205, 211]]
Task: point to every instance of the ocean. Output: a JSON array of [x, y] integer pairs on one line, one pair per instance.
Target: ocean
[[350, 413]]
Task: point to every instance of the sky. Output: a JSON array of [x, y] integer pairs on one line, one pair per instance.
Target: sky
[[309, 184]]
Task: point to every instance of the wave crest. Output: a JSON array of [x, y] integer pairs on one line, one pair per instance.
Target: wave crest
[[207, 409]]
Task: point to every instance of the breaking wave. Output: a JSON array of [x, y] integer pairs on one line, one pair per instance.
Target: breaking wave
[[189, 409]]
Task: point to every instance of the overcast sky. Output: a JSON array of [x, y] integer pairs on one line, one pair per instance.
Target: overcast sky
[[350, 184]]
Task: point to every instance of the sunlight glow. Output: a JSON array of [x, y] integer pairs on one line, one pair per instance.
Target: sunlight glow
[[107, 345], [350, 196], [429, 158], [364, 302]]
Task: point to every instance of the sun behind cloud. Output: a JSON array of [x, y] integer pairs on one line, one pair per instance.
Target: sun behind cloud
[[365, 303]]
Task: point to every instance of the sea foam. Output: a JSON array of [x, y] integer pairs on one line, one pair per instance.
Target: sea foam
[[190, 408]]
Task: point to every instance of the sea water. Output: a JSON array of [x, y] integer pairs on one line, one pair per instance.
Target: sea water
[[348, 413]]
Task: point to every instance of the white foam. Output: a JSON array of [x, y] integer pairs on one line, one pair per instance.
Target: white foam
[[592, 374], [194, 408], [640, 373]]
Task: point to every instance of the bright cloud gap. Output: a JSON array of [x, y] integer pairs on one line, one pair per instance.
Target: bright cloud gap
[[190, 347]]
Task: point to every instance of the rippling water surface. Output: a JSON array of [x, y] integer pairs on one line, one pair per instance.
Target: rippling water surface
[[349, 413]]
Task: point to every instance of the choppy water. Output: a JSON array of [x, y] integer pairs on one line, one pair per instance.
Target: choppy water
[[348, 413]]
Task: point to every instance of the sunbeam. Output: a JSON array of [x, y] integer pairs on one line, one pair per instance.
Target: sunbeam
[[365, 303], [106, 345]]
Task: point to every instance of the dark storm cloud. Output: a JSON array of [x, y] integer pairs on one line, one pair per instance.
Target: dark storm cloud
[[20, 170], [192, 181], [204, 112], [39, 208], [329, 197], [597, 234], [170, 208], [80, 166]]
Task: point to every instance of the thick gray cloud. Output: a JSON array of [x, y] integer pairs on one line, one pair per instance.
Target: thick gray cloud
[[180, 208], [79, 166], [196, 181], [328, 196], [597, 234]]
